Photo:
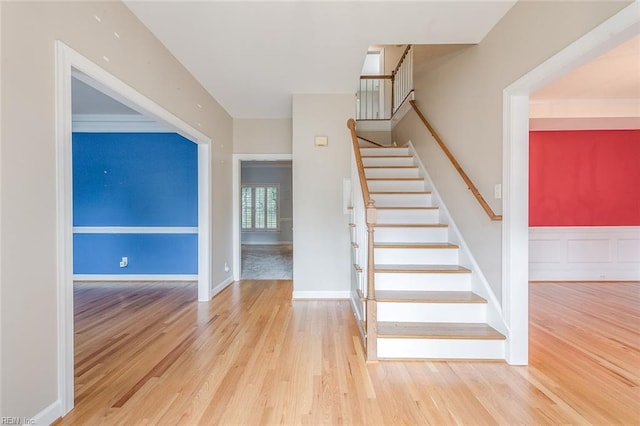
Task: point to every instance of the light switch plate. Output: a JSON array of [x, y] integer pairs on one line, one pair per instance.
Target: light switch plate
[[322, 141]]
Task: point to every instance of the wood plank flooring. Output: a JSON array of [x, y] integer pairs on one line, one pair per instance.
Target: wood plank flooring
[[150, 354]]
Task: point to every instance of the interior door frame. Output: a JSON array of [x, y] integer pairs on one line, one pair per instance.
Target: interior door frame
[[68, 64], [237, 160], [515, 166]]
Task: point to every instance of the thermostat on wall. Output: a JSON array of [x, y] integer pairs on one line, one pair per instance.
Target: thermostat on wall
[[322, 141]]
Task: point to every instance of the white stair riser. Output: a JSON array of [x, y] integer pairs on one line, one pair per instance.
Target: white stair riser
[[384, 151], [416, 256], [402, 200], [440, 348], [403, 216], [387, 161], [432, 312], [411, 235], [396, 185], [391, 172], [423, 282]]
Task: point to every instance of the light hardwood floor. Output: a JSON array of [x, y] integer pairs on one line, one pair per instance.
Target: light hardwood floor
[[150, 354]]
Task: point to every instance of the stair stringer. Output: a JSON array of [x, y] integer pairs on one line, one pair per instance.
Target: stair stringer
[[479, 283]]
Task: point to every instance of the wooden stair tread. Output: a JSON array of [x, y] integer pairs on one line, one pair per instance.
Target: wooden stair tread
[[390, 167], [410, 225], [387, 156], [407, 208], [422, 269], [438, 330], [397, 178], [428, 296], [416, 245], [399, 192]]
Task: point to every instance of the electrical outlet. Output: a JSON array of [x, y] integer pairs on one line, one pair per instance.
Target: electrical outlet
[[124, 262], [226, 267], [497, 191]]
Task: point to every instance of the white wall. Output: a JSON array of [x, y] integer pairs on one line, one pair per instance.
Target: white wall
[[462, 97], [575, 253], [262, 136], [320, 228], [28, 168], [265, 172]]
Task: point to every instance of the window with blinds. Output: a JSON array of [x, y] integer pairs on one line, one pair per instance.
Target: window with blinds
[[260, 207]]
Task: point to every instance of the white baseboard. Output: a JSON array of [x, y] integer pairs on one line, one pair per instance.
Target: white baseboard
[[267, 243], [48, 415], [224, 284], [135, 277], [322, 295], [576, 253]]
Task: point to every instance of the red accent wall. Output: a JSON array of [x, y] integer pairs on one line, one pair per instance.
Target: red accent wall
[[584, 178]]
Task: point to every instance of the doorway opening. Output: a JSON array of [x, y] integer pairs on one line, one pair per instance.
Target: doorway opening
[[266, 220], [515, 235], [71, 65], [262, 216]]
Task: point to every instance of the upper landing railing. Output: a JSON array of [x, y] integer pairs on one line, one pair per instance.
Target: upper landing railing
[[380, 96]]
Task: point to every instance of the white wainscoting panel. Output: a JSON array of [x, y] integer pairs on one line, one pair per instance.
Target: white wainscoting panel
[[602, 253]]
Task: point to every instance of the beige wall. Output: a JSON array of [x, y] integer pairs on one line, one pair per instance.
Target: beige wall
[[462, 98], [383, 138], [321, 258], [262, 136], [28, 168]]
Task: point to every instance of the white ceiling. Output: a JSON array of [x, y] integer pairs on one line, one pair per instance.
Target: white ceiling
[[613, 75], [252, 56], [87, 100]]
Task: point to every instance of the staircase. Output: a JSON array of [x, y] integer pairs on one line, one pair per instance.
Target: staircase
[[426, 308]]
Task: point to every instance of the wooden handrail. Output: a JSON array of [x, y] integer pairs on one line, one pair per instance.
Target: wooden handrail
[[371, 219], [474, 190], [351, 124], [376, 77], [404, 55], [370, 141]]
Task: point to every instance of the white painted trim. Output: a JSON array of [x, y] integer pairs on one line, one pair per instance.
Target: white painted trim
[[68, 63], [205, 257], [515, 236], [224, 284], [596, 123], [579, 253], [135, 229], [515, 220], [236, 166], [583, 108], [321, 295], [48, 415], [479, 283], [64, 227], [135, 277], [268, 243], [405, 107], [117, 123]]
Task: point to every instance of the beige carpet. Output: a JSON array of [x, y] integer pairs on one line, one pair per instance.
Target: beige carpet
[[267, 262]]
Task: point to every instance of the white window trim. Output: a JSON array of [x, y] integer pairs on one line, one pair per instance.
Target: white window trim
[[253, 207]]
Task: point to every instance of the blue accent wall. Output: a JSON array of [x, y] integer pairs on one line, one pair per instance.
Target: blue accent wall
[[141, 180], [134, 179], [147, 253]]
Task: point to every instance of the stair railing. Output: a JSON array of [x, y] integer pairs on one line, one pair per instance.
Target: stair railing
[[402, 80], [365, 218], [474, 190], [372, 104]]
